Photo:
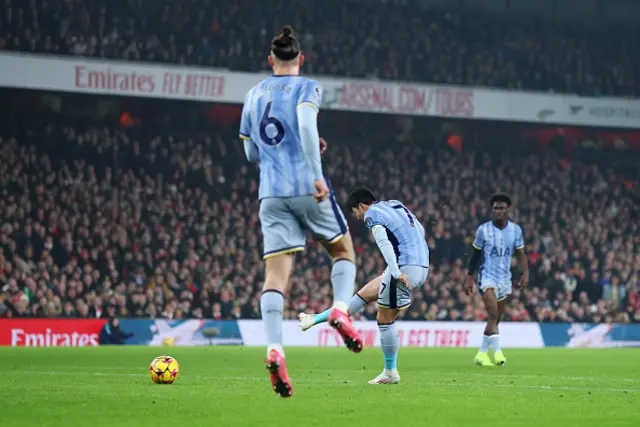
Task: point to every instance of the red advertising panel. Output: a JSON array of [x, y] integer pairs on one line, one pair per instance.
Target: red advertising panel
[[50, 332], [129, 80], [400, 99]]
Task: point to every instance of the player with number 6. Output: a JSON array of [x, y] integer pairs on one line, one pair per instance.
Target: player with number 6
[[280, 130]]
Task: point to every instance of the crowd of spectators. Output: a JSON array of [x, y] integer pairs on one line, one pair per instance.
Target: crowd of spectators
[[384, 39], [98, 220]]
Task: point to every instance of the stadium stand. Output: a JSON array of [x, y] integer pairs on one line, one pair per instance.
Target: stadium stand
[[156, 215], [385, 39]]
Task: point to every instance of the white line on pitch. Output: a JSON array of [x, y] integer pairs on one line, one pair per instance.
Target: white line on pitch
[[431, 383], [491, 372]]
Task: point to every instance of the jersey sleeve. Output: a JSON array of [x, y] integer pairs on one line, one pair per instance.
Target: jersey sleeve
[[373, 217], [311, 94], [478, 243], [245, 119], [519, 240]]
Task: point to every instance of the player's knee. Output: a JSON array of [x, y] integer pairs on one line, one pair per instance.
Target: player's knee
[[492, 309], [369, 292], [386, 316], [274, 276], [277, 272], [272, 284], [343, 253], [368, 295], [342, 249], [492, 313]]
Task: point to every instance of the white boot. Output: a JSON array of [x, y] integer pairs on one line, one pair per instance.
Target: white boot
[[387, 377], [306, 321]]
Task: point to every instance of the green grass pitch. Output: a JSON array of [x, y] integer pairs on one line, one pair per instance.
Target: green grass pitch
[[228, 386]]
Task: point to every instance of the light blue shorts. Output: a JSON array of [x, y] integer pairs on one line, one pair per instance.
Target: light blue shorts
[[285, 220], [502, 289], [394, 294]]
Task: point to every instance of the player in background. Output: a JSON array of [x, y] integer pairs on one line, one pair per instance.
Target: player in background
[[279, 129], [495, 242], [401, 240]]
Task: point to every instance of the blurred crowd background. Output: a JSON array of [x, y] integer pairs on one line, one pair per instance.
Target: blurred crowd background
[[149, 208], [160, 219], [571, 46]]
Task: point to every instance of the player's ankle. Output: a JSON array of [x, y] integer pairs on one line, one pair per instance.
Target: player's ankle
[[342, 306], [276, 347]]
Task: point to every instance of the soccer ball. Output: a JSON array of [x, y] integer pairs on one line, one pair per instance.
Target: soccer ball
[[164, 370]]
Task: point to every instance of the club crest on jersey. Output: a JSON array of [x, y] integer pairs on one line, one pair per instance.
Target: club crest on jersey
[[368, 222]]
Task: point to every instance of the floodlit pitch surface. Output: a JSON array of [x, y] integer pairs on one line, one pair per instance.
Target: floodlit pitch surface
[[228, 386]]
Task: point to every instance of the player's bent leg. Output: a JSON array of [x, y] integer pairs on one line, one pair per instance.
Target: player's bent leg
[[366, 295], [343, 276], [278, 271], [390, 342], [327, 223], [343, 271]]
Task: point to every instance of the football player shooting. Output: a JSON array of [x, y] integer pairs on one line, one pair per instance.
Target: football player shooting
[[494, 244], [401, 240], [279, 129]]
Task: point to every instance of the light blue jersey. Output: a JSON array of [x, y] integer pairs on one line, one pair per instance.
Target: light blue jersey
[[497, 247], [404, 231], [270, 121]]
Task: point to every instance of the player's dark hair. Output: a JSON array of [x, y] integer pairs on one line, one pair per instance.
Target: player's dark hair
[[500, 197], [360, 195], [285, 45]]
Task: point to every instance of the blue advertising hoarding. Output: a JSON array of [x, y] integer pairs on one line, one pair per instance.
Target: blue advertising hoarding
[[182, 332], [590, 335]]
